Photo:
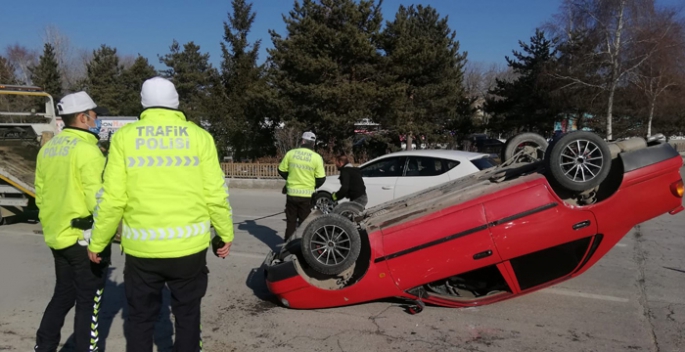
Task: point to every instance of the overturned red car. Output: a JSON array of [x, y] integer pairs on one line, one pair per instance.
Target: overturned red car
[[545, 215]]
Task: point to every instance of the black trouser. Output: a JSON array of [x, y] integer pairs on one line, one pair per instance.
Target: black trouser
[[144, 280], [296, 208], [363, 200], [78, 281]]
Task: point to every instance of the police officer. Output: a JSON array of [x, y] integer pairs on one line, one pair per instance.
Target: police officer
[[68, 175], [303, 170], [163, 177], [351, 182]]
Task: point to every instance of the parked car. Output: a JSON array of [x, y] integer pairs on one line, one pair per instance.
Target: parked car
[[397, 174], [481, 143], [492, 235]]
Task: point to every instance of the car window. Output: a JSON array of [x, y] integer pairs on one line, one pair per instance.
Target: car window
[[484, 163], [424, 167], [388, 167], [450, 164]]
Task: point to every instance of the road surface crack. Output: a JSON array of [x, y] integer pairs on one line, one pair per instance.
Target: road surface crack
[[640, 259]]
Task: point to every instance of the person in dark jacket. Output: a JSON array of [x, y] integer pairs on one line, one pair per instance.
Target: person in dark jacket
[[351, 182]]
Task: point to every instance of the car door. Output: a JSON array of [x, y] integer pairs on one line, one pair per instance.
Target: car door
[[438, 245], [420, 173], [542, 238], [380, 178]]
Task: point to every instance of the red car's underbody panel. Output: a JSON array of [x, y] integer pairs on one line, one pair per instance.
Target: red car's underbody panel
[[510, 229]]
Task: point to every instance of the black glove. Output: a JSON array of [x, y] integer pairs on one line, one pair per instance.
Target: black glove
[[82, 223], [216, 244], [284, 190]]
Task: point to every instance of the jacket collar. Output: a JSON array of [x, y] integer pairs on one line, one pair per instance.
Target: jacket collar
[[82, 134], [162, 112]]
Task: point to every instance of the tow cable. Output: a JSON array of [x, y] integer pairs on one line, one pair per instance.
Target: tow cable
[[263, 217]]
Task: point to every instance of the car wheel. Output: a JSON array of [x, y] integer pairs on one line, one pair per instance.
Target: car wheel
[[517, 143], [578, 161], [330, 244], [324, 202], [349, 210]]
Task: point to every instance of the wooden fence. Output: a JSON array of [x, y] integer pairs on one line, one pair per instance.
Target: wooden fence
[[261, 171]]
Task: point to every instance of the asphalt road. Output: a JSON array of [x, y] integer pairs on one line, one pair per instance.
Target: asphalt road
[[632, 300]]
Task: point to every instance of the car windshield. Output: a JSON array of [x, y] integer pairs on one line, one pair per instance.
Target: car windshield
[[484, 163]]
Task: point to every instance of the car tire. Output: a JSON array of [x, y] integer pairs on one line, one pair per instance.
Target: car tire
[[514, 145], [349, 210], [573, 156], [324, 202], [330, 234]]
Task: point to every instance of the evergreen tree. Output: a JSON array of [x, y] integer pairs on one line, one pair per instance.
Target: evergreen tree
[[423, 74], [194, 77], [7, 76], [525, 103], [246, 93], [103, 79], [327, 65], [7, 70], [132, 80], [46, 74]]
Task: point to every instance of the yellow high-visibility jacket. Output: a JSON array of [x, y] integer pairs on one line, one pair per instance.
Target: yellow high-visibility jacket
[[303, 166], [68, 175], [163, 176]]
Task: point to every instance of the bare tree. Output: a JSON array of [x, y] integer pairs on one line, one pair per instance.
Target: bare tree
[[663, 69], [21, 58], [60, 42], [614, 26], [72, 61], [287, 136], [480, 77], [127, 61]]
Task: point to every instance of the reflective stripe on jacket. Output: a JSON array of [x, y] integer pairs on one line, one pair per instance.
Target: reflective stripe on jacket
[[68, 176], [303, 166], [163, 176]]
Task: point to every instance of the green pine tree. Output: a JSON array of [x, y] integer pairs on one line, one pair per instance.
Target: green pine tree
[[194, 77], [526, 104], [46, 73], [423, 74], [132, 80], [247, 96], [326, 67], [103, 79], [7, 75]]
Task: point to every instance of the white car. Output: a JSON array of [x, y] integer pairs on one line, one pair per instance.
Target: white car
[[398, 174]]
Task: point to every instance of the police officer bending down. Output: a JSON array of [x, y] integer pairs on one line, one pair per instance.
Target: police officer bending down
[[351, 182], [302, 168], [163, 176], [68, 175]]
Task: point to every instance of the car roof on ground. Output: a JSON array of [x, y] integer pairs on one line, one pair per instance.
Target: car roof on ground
[[436, 153]]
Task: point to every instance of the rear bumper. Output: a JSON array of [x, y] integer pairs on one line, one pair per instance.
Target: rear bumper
[[676, 210], [278, 272]]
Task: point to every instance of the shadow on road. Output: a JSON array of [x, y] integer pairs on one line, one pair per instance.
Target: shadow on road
[[257, 283], [263, 233], [113, 302]]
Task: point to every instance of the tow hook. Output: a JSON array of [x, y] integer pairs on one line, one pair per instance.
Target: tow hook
[[414, 307]]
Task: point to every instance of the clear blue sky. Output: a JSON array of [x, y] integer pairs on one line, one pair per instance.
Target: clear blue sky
[[487, 29]]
